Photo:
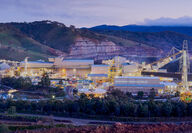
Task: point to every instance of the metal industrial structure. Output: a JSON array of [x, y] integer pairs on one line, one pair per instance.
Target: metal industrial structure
[[25, 68], [117, 72], [155, 66], [184, 63], [183, 57]]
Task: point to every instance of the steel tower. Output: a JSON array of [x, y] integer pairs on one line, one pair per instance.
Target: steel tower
[[185, 66]]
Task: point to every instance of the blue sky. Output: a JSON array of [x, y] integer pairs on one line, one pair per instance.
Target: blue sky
[[96, 12]]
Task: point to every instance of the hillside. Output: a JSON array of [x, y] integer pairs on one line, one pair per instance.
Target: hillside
[[164, 40], [15, 45], [54, 34], [81, 43], [42, 39], [187, 30]]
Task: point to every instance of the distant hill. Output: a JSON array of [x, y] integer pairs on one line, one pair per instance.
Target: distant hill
[[58, 36], [187, 30], [42, 39], [163, 40]]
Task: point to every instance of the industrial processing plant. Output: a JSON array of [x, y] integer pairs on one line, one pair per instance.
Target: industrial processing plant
[[118, 73]]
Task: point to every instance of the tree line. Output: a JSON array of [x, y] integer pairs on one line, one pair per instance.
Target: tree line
[[25, 82], [116, 103]]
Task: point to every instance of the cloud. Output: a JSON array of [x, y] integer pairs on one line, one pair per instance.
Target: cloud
[[75, 12], [164, 21], [89, 13]]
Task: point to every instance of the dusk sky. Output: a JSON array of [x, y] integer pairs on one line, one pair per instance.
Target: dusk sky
[[96, 12]]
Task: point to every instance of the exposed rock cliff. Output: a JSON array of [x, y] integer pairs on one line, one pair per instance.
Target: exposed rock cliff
[[87, 48]]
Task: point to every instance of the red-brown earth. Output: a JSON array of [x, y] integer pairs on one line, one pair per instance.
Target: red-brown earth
[[120, 128]]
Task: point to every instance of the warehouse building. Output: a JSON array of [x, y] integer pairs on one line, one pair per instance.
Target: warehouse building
[[99, 73], [136, 84], [35, 68], [100, 69], [130, 69], [73, 67], [98, 78], [57, 67]]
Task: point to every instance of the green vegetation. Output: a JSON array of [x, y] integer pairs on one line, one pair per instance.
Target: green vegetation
[[42, 39], [16, 128], [152, 93], [4, 128], [177, 94], [11, 110], [17, 83], [140, 94], [25, 84], [14, 117], [163, 40], [60, 37], [116, 104], [52, 34], [15, 45], [45, 81]]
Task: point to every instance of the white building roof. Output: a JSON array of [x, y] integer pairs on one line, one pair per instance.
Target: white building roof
[[136, 77], [4, 66], [95, 91], [37, 62], [101, 65], [168, 83], [79, 60], [97, 75]]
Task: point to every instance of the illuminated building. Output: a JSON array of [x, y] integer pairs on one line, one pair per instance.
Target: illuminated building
[[99, 73], [99, 78], [5, 70], [73, 67], [95, 92], [130, 69], [100, 69], [170, 87], [35, 68], [136, 84]]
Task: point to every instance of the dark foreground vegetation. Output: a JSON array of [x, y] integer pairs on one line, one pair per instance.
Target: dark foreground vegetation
[[30, 127], [115, 103], [25, 83]]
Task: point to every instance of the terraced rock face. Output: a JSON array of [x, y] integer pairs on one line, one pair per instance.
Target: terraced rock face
[[87, 48]]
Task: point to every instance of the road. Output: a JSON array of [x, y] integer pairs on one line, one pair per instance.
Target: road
[[37, 100], [78, 121], [74, 121], [69, 91]]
